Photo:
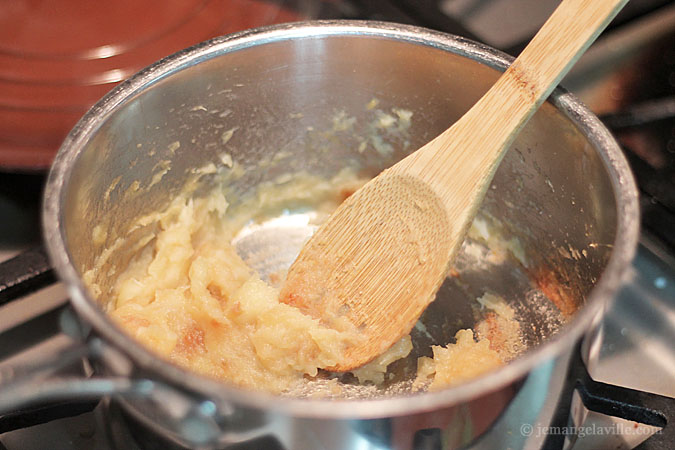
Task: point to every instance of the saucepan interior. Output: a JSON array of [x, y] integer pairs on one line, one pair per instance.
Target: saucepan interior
[[312, 100]]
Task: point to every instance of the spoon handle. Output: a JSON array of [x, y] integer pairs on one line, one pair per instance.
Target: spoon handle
[[477, 142], [565, 36]]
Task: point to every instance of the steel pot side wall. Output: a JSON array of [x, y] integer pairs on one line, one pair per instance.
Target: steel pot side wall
[[563, 187]]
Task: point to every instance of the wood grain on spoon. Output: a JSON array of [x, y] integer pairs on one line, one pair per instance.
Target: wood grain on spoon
[[382, 255]]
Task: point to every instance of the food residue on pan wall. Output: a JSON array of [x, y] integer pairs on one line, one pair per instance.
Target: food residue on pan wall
[[227, 135], [379, 131], [500, 246]]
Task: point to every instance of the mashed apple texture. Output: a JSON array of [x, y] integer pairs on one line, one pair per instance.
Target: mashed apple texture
[[189, 297]]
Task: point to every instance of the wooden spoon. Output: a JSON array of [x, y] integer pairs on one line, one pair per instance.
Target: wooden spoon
[[382, 255]]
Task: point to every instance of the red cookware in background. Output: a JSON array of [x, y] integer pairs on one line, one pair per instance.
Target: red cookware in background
[[58, 57]]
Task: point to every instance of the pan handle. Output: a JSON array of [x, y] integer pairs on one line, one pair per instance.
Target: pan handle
[[28, 380], [27, 272], [40, 381]]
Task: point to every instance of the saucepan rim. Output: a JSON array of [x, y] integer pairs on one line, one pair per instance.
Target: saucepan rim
[[614, 162]]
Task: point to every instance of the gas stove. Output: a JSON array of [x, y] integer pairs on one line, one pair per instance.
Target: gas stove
[[621, 397]]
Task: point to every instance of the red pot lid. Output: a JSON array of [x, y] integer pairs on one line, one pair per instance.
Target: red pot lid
[[58, 57]]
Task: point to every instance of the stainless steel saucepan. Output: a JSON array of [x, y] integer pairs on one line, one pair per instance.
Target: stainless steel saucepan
[[564, 191]]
